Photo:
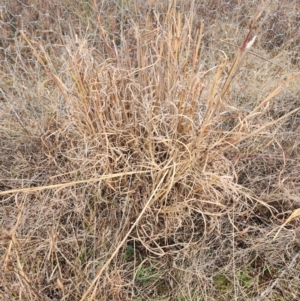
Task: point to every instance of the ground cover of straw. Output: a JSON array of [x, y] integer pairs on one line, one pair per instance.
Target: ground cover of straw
[[145, 157]]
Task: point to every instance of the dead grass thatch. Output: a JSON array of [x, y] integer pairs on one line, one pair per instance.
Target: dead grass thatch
[[146, 157]]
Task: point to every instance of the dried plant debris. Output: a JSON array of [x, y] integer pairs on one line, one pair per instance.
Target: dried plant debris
[[149, 150]]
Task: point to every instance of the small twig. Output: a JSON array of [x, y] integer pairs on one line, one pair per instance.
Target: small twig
[[259, 56]]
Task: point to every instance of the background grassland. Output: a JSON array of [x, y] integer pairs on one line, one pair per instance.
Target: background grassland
[[144, 155]]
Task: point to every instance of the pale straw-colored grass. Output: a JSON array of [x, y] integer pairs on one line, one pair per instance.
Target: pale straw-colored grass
[[139, 161]]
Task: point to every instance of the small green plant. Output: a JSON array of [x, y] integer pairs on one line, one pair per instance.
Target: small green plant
[[129, 253], [244, 278], [222, 283], [146, 273]]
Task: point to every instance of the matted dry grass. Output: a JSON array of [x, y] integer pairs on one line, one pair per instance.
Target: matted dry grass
[[146, 157]]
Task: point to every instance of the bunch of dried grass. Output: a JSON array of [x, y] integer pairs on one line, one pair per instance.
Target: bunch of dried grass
[[133, 171]]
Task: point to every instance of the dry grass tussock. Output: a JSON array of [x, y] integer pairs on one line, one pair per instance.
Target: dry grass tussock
[[139, 161]]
